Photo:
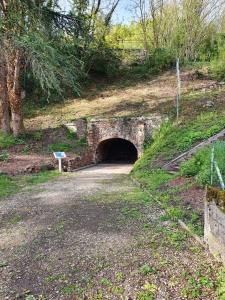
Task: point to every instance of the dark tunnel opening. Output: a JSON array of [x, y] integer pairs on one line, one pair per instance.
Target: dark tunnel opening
[[116, 150]]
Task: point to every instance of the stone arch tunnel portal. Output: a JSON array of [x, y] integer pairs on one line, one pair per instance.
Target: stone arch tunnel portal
[[116, 150]]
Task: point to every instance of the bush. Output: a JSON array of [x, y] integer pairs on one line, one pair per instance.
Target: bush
[[217, 65], [161, 59], [8, 140], [63, 147], [4, 156], [190, 168], [105, 61], [217, 69]]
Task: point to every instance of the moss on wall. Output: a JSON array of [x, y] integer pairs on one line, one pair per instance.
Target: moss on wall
[[217, 195]]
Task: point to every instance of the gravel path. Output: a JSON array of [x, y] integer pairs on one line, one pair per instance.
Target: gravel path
[[93, 235]]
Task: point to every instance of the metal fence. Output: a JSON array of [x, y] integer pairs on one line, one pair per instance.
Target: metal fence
[[217, 168]]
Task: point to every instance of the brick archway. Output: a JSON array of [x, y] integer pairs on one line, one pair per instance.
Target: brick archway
[[116, 150]]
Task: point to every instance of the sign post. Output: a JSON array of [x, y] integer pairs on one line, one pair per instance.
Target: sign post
[[59, 156], [178, 88]]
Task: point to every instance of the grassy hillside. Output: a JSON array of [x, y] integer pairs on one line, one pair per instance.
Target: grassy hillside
[[126, 96], [181, 197], [202, 115]]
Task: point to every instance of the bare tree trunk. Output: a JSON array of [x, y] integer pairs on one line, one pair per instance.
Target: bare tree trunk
[[4, 101], [14, 90], [156, 11], [144, 24]]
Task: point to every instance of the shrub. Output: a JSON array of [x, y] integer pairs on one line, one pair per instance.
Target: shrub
[[4, 156], [105, 61], [8, 140], [161, 59], [60, 147], [217, 65]]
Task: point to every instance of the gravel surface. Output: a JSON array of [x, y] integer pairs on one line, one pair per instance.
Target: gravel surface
[[92, 234]]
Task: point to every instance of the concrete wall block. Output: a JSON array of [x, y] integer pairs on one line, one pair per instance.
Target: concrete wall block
[[214, 227]]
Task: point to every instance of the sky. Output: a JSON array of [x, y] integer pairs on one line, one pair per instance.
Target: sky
[[121, 15]]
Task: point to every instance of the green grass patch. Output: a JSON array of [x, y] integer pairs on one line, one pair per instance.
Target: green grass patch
[[173, 139], [7, 140], [11, 185], [41, 177], [134, 196], [105, 282], [131, 213], [152, 179], [8, 185], [170, 141], [15, 219], [221, 284], [199, 165], [71, 146], [62, 147]]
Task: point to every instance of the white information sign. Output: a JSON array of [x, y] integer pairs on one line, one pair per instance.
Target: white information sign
[[59, 156]]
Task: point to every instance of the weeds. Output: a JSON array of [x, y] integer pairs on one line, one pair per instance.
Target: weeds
[[63, 147], [197, 285], [148, 293], [132, 213], [119, 276], [105, 282], [221, 284], [7, 140], [71, 289], [146, 269], [4, 156]]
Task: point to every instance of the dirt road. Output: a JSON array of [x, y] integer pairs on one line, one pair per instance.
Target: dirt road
[[93, 235]]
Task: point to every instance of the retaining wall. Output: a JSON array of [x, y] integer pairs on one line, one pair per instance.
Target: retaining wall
[[214, 226]]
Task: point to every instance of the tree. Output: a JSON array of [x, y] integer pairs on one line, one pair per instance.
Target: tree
[[4, 101], [156, 13], [141, 11], [95, 17], [32, 45]]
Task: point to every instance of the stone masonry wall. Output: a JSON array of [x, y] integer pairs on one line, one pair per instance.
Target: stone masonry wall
[[134, 129], [214, 227]]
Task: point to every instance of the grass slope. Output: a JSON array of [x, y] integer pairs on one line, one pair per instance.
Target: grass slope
[[171, 140]]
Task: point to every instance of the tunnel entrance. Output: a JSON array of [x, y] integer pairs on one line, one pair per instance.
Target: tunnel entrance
[[116, 150]]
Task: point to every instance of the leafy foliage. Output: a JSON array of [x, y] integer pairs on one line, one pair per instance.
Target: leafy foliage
[[50, 64], [217, 65]]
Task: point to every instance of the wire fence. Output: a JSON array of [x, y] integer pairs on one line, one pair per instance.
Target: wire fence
[[217, 166]]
